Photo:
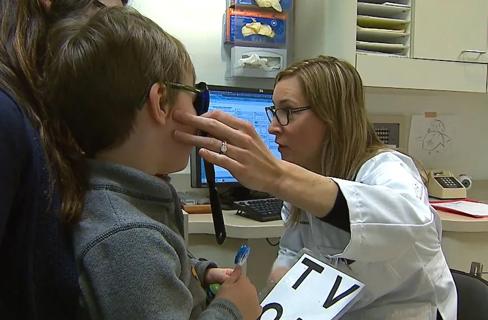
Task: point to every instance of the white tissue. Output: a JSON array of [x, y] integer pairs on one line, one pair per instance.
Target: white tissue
[[254, 60]]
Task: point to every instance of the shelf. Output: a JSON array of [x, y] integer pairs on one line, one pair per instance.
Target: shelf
[[381, 35], [394, 48], [382, 23], [383, 27], [382, 10], [403, 3]]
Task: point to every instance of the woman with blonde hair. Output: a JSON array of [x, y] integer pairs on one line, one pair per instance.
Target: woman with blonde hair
[[348, 198]]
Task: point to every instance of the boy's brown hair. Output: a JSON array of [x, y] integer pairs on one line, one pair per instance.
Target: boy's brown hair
[[100, 71]]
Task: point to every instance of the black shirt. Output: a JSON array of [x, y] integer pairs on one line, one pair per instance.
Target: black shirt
[[37, 267]]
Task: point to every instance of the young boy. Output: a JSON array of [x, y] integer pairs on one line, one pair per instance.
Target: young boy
[[115, 81]]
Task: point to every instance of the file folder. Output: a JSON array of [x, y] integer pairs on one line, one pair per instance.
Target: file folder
[[468, 207]]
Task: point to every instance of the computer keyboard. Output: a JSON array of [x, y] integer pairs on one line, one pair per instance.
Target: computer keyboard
[[260, 209]]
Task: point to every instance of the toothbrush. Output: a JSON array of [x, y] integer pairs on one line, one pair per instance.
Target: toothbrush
[[239, 260], [242, 255]]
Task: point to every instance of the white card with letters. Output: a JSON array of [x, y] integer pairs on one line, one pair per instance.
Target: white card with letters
[[310, 290]]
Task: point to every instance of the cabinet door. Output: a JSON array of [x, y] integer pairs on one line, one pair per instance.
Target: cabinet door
[[454, 30], [395, 72], [325, 27]]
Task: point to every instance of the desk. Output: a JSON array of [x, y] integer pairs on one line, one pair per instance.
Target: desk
[[464, 239], [236, 226], [262, 237]]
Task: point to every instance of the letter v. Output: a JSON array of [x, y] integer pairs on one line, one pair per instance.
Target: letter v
[[332, 299]]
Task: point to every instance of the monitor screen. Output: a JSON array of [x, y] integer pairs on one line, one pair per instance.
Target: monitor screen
[[244, 103]]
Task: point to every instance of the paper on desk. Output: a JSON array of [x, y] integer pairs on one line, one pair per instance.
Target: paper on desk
[[475, 209]]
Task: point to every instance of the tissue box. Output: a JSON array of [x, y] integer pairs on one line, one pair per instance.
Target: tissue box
[[276, 61], [236, 19], [286, 5]]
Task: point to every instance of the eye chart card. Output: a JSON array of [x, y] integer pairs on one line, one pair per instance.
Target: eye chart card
[[310, 290]]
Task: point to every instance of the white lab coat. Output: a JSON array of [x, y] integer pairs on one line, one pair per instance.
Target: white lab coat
[[394, 242]]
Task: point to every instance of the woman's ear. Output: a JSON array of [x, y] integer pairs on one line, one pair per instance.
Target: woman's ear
[[156, 103], [46, 4]]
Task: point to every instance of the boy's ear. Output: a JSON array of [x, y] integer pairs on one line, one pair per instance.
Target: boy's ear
[[156, 102], [46, 4]]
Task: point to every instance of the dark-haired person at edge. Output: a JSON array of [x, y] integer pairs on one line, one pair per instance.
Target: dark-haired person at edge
[[348, 198], [38, 198]]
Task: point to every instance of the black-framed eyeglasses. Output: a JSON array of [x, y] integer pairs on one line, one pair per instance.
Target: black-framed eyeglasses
[[99, 4], [283, 114], [202, 98]]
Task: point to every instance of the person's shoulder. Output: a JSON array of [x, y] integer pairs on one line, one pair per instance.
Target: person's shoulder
[[6, 99], [107, 220], [18, 134], [386, 161], [106, 208], [13, 121], [10, 112], [389, 156]]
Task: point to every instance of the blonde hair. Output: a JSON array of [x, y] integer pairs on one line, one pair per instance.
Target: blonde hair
[[334, 90]]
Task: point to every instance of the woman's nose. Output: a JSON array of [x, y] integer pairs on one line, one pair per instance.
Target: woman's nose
[[274, 127]]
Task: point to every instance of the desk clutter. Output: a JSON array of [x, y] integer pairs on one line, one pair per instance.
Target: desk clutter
[[197, 208], [254, 205], [469, 207], [260, 209]]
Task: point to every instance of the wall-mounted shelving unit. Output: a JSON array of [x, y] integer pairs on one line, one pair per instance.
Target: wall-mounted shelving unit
[[383, 27]]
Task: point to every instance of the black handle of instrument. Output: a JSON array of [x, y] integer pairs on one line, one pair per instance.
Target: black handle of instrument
[[217, 217]]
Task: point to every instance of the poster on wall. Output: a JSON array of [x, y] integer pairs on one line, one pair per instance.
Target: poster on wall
[[433, 137]]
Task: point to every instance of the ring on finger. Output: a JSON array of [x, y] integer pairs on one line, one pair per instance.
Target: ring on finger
[[223, 147]]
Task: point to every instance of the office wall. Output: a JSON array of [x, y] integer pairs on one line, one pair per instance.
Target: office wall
[[198, 24], [470, 109]]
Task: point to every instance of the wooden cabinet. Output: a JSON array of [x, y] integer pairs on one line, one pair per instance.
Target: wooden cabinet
[[329, 27], [451, 30]]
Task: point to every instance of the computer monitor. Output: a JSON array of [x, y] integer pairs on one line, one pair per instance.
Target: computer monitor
[[244, 103]]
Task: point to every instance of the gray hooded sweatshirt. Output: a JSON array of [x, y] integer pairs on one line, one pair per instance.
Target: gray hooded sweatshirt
[[131, 254]]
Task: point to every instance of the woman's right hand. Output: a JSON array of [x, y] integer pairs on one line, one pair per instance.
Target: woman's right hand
[[242, 293], [247, 156]]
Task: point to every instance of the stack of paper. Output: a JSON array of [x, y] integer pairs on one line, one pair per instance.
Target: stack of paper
[[466, 206], [383, 27], [380, 47]]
